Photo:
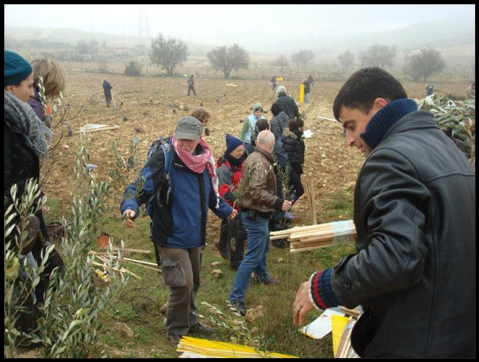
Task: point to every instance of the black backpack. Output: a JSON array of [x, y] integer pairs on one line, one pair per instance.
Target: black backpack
[[166, 147]]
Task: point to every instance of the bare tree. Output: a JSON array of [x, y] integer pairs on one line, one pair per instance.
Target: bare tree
[[281, 61], [168, 53], [346, 59], [425, 64], [380, 56], [227, 59], [303, 57]]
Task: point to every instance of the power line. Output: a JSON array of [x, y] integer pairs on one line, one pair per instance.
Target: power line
[[144, 26]]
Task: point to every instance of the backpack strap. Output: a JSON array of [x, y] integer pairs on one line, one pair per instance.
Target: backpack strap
[[167, 154]]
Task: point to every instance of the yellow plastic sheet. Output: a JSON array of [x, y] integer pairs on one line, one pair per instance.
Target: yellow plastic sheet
[[206, 348], [339, 323]]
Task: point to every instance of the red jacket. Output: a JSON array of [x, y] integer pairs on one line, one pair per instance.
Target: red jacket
[[228, 176]]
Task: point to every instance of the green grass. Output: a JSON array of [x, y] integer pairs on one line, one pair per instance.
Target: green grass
[[138, 305], [339, 206]]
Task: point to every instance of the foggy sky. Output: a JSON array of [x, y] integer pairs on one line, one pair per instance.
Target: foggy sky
[[225, 24]]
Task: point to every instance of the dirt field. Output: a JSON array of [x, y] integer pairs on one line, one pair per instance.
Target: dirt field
[[155, 103]]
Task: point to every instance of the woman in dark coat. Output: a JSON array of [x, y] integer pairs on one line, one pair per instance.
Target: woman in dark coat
[[25, 142], [107, 91], [293, 144]]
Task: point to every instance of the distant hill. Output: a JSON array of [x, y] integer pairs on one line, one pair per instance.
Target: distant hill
[[73, 36], [436, 34], [454, 38]]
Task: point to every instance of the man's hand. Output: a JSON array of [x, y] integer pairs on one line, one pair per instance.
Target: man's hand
[[286, 205], [302, 305], [127, 218], [233, 214]]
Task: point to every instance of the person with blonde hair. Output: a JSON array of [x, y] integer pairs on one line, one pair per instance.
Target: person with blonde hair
[[53, 80], [202, 115]]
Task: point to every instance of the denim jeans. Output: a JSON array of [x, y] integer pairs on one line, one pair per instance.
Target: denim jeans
[[255, 258], [306, 98]]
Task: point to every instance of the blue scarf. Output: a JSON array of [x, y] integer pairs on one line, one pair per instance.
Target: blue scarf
[[385, 118]]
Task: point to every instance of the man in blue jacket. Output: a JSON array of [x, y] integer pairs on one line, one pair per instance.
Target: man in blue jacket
[[414, 272], [180, 209]]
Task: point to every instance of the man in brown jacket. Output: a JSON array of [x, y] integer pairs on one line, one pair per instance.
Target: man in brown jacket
[[258, 203]]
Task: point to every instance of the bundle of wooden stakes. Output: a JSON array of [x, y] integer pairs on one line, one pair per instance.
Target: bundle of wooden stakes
[[103, 258], [311, 237]]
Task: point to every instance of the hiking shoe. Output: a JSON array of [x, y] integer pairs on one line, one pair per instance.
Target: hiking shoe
[[270, 281], [240, 307], [200, 328], [174, 339], [224, 254]]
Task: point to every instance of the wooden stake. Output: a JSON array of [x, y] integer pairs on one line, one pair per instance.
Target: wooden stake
[[308, 195], [313, 202], [121, 270]]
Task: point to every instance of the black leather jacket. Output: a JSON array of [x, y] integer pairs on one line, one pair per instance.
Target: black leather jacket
[[414, 271]]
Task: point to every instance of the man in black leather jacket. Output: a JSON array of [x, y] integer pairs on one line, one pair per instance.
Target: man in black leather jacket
[[414, 212]]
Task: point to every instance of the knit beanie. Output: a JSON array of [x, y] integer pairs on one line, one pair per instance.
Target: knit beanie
[[16, 68], [232, 143]]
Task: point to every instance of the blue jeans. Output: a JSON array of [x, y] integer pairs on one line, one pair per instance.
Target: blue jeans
[[255, 258], [306, 98]]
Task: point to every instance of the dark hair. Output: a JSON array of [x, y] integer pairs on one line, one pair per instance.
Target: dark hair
[[296, 123], [364, 86], [262, 124], [276, 108]]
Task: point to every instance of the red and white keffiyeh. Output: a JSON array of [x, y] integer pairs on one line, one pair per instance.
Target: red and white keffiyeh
[[197, 163]]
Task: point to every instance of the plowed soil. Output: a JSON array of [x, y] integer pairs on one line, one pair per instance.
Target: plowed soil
[[150, 106]]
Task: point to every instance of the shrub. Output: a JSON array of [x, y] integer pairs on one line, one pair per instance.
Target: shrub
[[133, 69]]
